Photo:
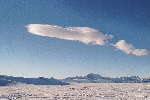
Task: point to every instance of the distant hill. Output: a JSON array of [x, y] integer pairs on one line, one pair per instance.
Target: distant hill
[[6, 80], [96, 78], [90, 78]]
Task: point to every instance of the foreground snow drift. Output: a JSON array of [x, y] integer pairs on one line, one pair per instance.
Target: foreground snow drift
[[81, 91]]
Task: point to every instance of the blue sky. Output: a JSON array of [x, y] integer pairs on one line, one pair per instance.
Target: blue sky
[[61, 38]]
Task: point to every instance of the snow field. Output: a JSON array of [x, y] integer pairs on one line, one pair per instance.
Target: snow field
[[80, 91]]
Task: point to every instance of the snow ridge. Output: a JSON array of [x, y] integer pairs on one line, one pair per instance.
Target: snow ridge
[[90, 78], [7, 80], [96, 78]]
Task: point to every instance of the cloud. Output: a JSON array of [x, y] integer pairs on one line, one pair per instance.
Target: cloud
[[129, 48], [82, 34]]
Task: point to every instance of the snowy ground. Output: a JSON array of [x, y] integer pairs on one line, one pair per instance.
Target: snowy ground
[[81, 91]]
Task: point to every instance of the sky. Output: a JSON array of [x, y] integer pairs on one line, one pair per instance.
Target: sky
[[64, 38]]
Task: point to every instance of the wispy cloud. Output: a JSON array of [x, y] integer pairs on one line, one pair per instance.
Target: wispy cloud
[[82, 34], [130, 49]]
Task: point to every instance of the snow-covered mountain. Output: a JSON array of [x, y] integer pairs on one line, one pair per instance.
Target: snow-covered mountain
[[146, 80], [5, 80], [96, 78], [132, 79], [90, 78]]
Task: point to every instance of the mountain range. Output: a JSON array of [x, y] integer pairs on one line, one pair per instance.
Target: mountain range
[[90, 78], [8, 80], [96, 78]]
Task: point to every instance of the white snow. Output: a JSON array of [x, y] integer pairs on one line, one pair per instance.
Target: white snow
[[78, 91]]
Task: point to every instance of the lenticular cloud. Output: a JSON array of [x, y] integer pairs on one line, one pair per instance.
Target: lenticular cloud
[[82, 34], [129, 48]]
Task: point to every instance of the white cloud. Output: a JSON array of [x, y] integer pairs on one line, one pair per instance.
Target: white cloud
[[82, 34], [140, 52], [129, 48]]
